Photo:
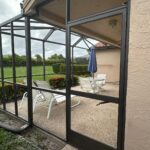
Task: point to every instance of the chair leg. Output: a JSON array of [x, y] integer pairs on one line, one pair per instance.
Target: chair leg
[[34, 103], [78, 103], [35, 100], [23, 97], [49, 108]]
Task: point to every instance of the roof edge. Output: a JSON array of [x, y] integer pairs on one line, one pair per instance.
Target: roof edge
[[30, 7]]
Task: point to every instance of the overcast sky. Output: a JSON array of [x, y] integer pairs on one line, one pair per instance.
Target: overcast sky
[[11, 8], [8, 9]]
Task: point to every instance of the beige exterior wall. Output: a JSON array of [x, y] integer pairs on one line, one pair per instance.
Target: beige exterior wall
[[137, 135], [108, 62]]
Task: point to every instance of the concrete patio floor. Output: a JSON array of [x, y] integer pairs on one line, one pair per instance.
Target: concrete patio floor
[[97, 122]]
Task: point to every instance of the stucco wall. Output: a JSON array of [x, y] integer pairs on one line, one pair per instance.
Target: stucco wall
[[137, 135], [108, 62]]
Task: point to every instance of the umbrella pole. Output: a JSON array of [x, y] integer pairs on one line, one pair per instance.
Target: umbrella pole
[[93, 75]]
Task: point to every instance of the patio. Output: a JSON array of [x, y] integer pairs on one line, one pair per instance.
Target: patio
[[90, 125], [90, 119]]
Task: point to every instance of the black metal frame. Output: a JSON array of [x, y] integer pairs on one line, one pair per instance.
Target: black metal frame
[[9, 26], [2, 72], [29, 70], [71, 136], [6, 26], [14, 69]]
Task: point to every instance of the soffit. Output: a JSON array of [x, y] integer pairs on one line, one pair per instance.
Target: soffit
[[54, 13]]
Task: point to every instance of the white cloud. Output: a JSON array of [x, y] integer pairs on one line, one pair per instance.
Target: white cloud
[[11, 8]]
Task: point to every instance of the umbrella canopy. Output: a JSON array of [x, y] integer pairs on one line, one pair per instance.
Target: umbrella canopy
[[92, 66]]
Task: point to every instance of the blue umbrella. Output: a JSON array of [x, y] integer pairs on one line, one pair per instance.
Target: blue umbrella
[[92, 66]]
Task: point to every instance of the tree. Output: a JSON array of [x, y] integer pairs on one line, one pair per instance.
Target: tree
[[38, 58], [56, 57]]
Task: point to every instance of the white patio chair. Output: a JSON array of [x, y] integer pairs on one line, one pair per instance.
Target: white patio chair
[[36, 96], [88, 85], [52, 98], [100, 80]]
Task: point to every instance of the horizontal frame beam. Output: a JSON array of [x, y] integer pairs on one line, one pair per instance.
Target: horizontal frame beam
[[75, 137], [12, 19], [96, 96], [32, 38], [37, 88], [102, 15], [63, 29], [32, 75], [32, 27]]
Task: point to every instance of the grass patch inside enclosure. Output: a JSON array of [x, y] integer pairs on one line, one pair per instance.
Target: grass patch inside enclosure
[[10, 141], [30, 139]]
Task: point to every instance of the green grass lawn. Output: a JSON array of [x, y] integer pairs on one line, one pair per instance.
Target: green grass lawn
[[21, 71]]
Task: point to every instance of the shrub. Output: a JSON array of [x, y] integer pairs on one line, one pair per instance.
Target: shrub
[[9, 92], [75, 81], [78, 69], [62, 68], [56, 67], [57, 82], [60, 82]]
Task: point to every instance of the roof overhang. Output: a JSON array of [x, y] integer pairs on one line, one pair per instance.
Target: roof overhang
[[53, 12]]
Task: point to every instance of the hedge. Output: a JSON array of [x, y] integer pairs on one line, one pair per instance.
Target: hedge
[[21, 61], [56, 68], [60, 82], [78, 69], [9, 92]]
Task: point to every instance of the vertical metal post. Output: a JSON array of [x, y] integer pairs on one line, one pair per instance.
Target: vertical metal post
[[14, 69], [44, 69], [68, 70], [29, 70], [72, 65], [2, 72], [122, 89], [68, 3]]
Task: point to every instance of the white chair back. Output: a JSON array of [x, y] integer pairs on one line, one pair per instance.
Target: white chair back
[[45, 85], [102, 76], [88, 84], [85, 83], [34, 92]]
